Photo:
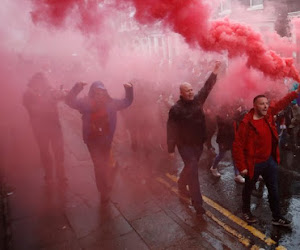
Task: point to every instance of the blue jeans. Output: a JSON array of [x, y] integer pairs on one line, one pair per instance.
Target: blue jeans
[[220, 156], [269, 171], [189, 175]]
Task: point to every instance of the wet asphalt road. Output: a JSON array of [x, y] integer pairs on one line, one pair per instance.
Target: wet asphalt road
[[146, 211], [222, 200], [226, 193]]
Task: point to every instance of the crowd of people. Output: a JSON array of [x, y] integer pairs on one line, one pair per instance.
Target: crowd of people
[[156, 120]]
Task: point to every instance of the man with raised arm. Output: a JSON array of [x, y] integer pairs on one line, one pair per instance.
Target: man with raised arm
[[256, 152], [186, 131], [99, 118]]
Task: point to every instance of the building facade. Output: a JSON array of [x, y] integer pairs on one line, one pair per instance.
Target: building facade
[[266, 15]]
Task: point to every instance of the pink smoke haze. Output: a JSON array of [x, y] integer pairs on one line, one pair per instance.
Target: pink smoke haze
[[191, 20], [77, 40], [282, 45], [296, 27], [67, 55], [188, 18], [55, 12], [242, 82], [238, 39]]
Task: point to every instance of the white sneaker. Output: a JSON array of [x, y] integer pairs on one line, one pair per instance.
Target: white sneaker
[[215, 172], [239, 179]]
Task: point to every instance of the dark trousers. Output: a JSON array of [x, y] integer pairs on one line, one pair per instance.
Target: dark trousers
[[46, 137], [100, 153], [269, 171], [189, 175], [222, 151]]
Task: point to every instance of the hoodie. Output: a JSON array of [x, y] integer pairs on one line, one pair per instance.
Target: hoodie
[[98, 118]]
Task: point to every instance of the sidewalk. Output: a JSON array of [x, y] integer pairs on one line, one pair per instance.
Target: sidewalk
[[141, 214], [43, 217], [52, 218], [5, 232], [2, 219]]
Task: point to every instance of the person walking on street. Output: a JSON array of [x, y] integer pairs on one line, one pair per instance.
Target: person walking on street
[[256, 152], [225, 136], [186, 131], [41, 101], [99, 118]]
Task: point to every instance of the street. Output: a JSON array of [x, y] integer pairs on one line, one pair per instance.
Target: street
[[146, 210]]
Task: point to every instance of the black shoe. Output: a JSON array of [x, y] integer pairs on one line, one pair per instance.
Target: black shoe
[[249, 218], [281, 222]]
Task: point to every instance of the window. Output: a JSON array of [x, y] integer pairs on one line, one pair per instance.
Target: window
[[159, 41], [297, 52], [256, 2], [225, 7], [296, 39], [256, 5]]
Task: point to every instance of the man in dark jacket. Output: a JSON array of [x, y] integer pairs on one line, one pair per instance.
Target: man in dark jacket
[[186, 130], [256, 152], [41, 101], [99, 117]]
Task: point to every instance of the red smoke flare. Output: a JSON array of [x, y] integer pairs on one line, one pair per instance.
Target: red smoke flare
[[190, 18], [55, 12], [239, 39]]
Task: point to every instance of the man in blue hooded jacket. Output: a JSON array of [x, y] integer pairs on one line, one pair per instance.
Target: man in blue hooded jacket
[[99, 117]]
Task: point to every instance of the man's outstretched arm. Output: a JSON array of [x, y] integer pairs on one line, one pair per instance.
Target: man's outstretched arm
[[124, 103], [210, 82], [71, 98]]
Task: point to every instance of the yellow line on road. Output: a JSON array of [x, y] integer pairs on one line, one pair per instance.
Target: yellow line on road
[[232, 217], [241, 238], [280, 248]]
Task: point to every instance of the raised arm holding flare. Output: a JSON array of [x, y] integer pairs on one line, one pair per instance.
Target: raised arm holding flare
[[256, 152]]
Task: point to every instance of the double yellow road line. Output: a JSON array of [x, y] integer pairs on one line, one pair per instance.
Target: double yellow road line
[[245, 241]]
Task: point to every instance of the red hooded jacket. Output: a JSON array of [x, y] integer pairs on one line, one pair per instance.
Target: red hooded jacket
[[244, 145]]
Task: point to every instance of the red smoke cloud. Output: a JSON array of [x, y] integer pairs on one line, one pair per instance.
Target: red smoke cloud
[[282, 45], [56, 11], [190, 18], [239, 78], [239, 39]]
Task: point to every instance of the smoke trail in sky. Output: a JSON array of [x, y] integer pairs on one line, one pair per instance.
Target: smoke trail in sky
[[55, 12], [189, 18]]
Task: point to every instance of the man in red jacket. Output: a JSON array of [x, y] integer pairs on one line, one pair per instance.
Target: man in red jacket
[[256, 152]]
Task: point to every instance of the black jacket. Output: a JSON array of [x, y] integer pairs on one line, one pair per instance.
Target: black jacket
[[42, 109], [225, 135], [186, 123]]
